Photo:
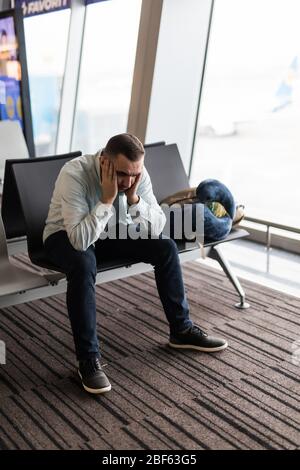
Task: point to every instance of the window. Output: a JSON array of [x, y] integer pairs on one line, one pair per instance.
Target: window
[[249, 120], [108, 58], [46, 44]]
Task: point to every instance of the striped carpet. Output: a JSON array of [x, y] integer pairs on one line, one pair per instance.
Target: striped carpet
[[246, 397]]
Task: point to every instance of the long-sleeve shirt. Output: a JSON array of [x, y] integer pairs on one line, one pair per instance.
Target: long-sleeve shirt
[[76, 205]]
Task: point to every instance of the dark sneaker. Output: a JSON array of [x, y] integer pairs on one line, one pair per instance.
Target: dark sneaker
[[92, 376], [195, 338]]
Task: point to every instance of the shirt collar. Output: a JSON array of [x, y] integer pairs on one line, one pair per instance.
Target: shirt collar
[[97, 162]]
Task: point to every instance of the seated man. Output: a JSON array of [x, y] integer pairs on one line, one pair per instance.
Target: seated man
[[76, 238]]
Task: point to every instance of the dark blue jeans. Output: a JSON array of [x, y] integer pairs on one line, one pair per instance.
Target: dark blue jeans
[[81, 269]]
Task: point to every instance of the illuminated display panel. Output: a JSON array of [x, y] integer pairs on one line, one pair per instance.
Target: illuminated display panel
[[14, 90]]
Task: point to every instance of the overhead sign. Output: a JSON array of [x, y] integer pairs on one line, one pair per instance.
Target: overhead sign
[[88, 2], [37, 7]]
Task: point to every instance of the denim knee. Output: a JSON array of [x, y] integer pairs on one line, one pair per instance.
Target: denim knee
[[166, 248], [84, 264]]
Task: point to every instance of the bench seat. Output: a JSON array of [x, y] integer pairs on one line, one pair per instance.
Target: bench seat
[[27, 179]]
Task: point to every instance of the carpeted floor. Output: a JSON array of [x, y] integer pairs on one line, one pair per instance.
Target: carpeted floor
[[246, 397]]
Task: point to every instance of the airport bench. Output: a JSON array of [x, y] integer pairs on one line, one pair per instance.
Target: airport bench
[[28, 187]]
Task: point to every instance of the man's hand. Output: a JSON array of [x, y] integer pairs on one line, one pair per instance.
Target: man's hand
[[132, 197], [108, 180]]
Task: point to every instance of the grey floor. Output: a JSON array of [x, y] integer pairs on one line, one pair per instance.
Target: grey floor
[[275, 268], [246, 397]]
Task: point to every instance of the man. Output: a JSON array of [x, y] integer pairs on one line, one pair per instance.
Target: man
[[86, 192]]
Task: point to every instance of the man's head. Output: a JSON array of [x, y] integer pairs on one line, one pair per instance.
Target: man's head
[[127, 153]]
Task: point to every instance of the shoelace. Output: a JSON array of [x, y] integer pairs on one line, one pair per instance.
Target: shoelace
[[198, 330], [97, 364], [90, 366]]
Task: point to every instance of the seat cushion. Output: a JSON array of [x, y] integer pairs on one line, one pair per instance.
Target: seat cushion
[[43, 262]]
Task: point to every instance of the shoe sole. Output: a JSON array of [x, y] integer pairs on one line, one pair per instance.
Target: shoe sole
[[94, 390], [198, 348]]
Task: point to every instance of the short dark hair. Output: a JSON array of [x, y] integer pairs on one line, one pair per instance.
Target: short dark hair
[[127, 144]]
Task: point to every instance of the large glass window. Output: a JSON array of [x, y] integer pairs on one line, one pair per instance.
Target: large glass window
[[46, 45], [108, 58], [248, 132]]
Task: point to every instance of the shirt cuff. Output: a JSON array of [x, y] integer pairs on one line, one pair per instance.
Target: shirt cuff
[[140, 209], [102, 210], [131, 205]]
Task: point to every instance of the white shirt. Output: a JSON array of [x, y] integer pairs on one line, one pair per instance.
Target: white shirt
[[76, 205]]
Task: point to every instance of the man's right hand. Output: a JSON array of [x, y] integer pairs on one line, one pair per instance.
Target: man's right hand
[[108, 180]]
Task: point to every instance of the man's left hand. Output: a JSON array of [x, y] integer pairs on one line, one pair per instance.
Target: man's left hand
[[132, 197]]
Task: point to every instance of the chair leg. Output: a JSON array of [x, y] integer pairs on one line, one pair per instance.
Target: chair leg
[[216, 253]]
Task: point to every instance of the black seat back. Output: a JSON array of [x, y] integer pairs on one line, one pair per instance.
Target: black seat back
[[34, 180], [166, 170], [155, 144], [11, 209]]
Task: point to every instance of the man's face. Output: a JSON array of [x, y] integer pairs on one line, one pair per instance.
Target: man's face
[[127, 171]]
